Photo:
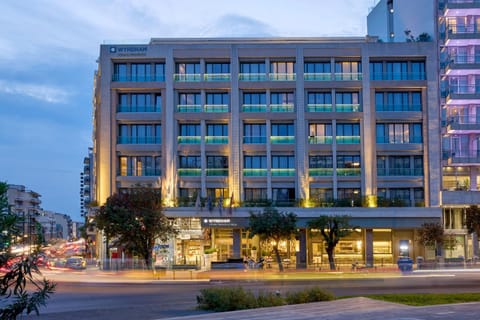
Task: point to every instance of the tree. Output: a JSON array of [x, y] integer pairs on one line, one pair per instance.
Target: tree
[[431, 235], [272, 225], [22, 271], [423, 37], [135, 219], [472, 215], [332, 229]]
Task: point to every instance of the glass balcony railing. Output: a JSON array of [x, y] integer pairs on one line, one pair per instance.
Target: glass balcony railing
[[284, 107], [320, 172], [398, 76], [282, 139], [254, 107], [348, 76], [139, 140], [282, 76], [320, 139], [187, 77], [252, 76], [283, 172], [130, 108], [399, 172], [254, 172], [347, 172], [254, 140], [189, 139], [137, 78], [394, 140], [216, 77], [145, 172], [217, 172], [317, 107], [216, 139], [398, 107], [189, 108], [189, 172], [317, 76], [348, 139], [216, 108], [348, 107]]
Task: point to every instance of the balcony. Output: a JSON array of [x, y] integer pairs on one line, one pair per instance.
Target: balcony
[[461, 64], [390, 140], [144, 172], [189, 139], [464, 94], [282, 76], [254, 108], [216, 108], [189, 172], [189, 108], [398, 76], [216, 77], [254, 172], [317, 76], [317, 107], [457, 125], [254, 140], [460, 197], [187, 77], [460, 4], [217, 172], [348, 139], [320, 139], [464, 159], [282, 139], [457, 34], [139, 140], [384, 172], [348, 76], [398, 107], [216, 139], [352, 107], [320, 172], [130, 108], [252, 76], [283, 172], [284, 107], [137, 78], [348, 172]]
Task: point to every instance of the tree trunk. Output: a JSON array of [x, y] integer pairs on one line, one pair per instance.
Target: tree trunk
[[331, 260], [277, 256]]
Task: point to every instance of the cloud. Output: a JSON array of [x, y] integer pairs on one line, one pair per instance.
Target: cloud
[[45, 93]]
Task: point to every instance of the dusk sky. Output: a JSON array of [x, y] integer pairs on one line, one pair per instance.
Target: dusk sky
[[48, 50]]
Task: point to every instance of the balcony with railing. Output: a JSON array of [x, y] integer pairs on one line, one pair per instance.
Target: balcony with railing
[[217, 172], [395, 140], [398, 76], [317, 76], [384, 172], [254, 140], [318, 107], [348, 107], [189, 108], [348, 139], [189, 139], [398, 107], [463, 94], [215, 108], [463, 125], [138, 108], [283, 172], [252, 76], [282, 76], [143, 172], [320, 139], [257, 172], [216, 77], [118, 77], [282, 139], [348, 76], [283, 107], [460, 4], [320, 172], [139, 140], [462, 32], [454, 64], [187, 77], [189, 172], [348, 172], [463, 159], [216, 139], [254, 107]]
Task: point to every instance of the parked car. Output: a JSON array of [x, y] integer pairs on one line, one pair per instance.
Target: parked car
[[77, 263]]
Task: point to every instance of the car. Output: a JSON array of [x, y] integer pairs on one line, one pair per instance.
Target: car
[[77, 263]]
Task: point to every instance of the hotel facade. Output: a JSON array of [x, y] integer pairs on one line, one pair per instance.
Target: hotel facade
[[313, 126]]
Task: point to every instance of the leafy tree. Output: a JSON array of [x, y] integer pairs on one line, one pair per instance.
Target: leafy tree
[[473, 219], [135, 219], [332, 229], [431, 235], [22, 271], [423, 37], [272, 225]]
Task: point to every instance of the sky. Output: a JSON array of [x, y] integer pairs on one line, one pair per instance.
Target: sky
[[48, 52]]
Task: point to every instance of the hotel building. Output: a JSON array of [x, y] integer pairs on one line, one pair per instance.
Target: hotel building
[[315, 126]]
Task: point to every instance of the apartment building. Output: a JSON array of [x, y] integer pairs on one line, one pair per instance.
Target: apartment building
[[312, 125]]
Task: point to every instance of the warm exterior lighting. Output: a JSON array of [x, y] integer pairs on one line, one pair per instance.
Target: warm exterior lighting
[[372, 201]]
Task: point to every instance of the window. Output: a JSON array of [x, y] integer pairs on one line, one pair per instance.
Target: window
[[254, 166], [254, 102], [348, 133], [217, 102], [217, 71], [282, 71], [139, 134], [348, 194], [217, 133], [348, 165], [187, 71], [283, 196], [282, 133], [397, 70], [348, 70], [399, 133], [321, 196], [141, 72], [252, 71], [376, 70], [192, 162], [319, 133], [189, 102], [398, 101], [139, 166], [254, 133], [347, 102], [319, 102], [253, 194], [418, 71], [120, 72], [217, 166], [282, 102], [317, 71], [321, 165], [159, 71], [283, 165], [189, 133]]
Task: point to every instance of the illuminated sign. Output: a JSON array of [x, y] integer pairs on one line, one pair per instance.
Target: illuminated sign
[[224, 222], [129, 50]]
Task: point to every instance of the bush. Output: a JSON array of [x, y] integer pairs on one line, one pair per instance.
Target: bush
[[236, 298], [313, 294]]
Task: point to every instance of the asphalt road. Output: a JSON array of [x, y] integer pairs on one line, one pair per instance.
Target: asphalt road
[[166, 299]]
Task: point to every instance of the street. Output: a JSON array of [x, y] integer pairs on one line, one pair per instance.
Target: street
[[157, 299]]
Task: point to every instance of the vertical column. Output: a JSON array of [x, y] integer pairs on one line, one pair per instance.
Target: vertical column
[[473, 178], [237, 243], [475, 245], [169, 134], [368, 247], [301, 156], [203, 158], [301, 254], [234, 130]]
